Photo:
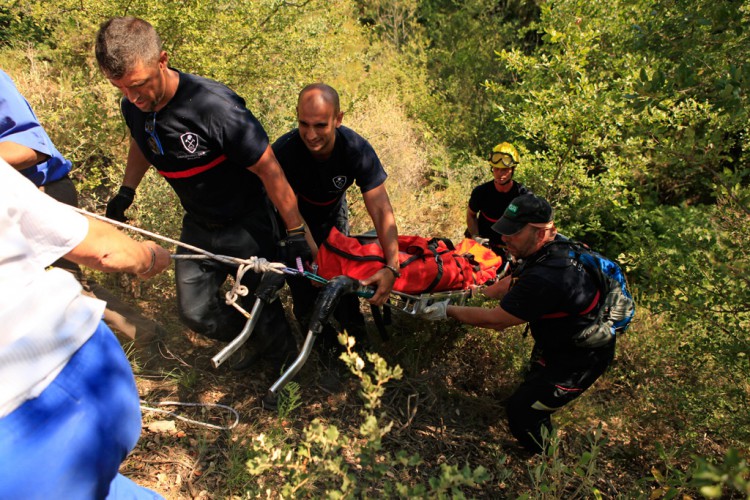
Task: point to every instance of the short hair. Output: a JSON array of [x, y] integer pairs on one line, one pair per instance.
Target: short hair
[[328, 93], [124, 41]]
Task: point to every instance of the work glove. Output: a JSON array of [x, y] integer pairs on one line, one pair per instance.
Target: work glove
[[119, 203], [435, 312], [482, 241], [270, 285], [295, 245]]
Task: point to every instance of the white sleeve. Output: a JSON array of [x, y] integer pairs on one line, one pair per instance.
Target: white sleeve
[[35, 229]]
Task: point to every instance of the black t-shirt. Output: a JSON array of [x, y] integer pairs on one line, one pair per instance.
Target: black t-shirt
[[321, 185], [209, 138], [554, 286], [490, 204]]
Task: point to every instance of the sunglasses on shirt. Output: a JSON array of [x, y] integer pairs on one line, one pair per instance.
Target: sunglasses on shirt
[[153, 140]]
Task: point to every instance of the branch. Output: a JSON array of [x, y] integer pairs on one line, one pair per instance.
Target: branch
[[720, 181], [274, 11]]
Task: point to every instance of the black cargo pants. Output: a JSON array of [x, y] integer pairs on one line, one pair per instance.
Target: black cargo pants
[[201, 302], [548, 387]]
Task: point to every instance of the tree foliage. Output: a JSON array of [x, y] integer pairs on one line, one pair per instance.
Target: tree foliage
[[463, 38]]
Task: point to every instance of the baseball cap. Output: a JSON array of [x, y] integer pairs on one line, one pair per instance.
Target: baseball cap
[[523, 210]]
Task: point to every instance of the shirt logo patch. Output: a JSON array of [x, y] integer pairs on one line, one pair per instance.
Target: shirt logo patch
[[189, 142], [339, 181]]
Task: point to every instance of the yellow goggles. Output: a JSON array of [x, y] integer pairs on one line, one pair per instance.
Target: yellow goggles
[[501, 160]]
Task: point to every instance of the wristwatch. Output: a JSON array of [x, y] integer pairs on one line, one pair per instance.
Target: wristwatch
[[394, 270]]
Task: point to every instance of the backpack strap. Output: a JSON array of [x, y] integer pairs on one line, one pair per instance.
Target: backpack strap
[[568, 252], [550, 250]]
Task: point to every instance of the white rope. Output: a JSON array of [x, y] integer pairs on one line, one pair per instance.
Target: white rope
[[257, 264], [189, 420], [238, 290]]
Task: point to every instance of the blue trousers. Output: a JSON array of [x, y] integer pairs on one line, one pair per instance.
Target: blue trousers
[[70, 441]]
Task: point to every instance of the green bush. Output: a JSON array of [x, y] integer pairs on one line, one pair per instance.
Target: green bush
[[323, 461]]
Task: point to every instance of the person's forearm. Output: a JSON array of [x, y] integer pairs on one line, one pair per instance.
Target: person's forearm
[[19, 156], [136, 166], [379, 208], [279, 191], [281, 195], [385, 226], [285, 201], [495, 318], [381, 212], [106, 249], [471, 223]]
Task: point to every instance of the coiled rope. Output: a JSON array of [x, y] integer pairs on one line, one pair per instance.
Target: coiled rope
[[144, 406]]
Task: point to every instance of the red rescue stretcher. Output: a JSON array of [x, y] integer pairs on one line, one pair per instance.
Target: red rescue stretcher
[[432, 270]]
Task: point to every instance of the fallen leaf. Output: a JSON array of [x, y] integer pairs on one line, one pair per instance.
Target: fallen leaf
[[163, 426]]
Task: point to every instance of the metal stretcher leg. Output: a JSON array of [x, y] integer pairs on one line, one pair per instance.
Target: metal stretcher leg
[[382, 318], [240, 339], [327, 301], [295, 366], [267, 291]]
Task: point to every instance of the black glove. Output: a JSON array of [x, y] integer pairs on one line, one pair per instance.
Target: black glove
[[122, 200], [270, 285], [295, 245]]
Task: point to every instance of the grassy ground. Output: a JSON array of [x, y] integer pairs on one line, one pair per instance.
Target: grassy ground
[[448, 408]]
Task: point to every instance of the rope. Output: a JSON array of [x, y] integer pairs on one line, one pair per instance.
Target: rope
[[190, 420], [238, 290], [257, 264]]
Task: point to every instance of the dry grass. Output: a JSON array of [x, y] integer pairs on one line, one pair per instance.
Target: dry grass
[[408, 155]]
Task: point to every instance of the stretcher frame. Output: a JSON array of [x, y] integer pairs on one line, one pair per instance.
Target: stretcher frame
[[415, 304], [400, 302]]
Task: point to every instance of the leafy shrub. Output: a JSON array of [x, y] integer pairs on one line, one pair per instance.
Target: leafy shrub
[[727, 479], [325, 462]]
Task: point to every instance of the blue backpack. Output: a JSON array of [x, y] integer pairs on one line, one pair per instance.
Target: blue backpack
[[616, 305]]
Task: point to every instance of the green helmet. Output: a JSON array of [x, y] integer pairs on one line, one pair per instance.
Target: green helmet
[[504, 155]]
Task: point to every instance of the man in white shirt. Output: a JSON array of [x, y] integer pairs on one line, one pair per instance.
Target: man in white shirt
[[69, 408]]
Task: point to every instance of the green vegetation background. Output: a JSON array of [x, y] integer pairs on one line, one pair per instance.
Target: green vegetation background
[[631, 118]]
